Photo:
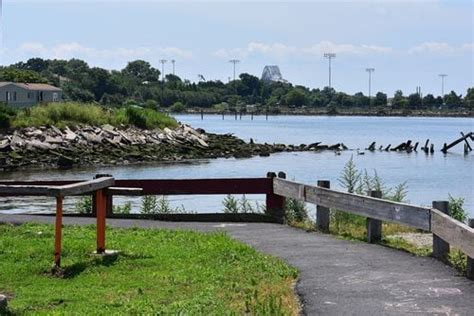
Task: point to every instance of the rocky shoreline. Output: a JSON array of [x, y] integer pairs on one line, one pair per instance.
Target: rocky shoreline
[[81, 146]]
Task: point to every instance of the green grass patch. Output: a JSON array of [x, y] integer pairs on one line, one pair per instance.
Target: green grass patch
[[157, 271], [73, 113]]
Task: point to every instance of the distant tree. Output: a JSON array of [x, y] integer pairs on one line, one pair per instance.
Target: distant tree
[[295, 97], [19, 75], [399, 101], [361, 100], [453, 100], [414, 101], [380, 99], [469, 99], [429, 101], [142, 71]]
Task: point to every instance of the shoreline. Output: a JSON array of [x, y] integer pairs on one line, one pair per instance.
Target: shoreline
[[324, 113]]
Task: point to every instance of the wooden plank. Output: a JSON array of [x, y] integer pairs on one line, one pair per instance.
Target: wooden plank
[[123, 191], [457, 234], [414, 216], [29, 190], [289, 189], [86, 186]]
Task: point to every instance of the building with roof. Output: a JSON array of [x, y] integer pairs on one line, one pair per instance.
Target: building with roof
[[27, 94]]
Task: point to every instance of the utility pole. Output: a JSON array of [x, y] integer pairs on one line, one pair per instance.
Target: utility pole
[[163, 62], [442, 84], [370, 71], [329, 56], [173, 62], [234, 61]]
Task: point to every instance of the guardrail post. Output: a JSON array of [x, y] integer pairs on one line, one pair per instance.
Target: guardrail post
[[275, 204], [323, 213], [374, 226], [440, 246], [470, 261], [58, 232], [109, 198], [101, 215]]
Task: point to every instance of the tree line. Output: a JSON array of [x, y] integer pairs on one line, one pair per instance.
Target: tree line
[[140, 83]]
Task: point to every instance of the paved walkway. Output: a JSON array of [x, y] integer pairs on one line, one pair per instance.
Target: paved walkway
[[338, 277]]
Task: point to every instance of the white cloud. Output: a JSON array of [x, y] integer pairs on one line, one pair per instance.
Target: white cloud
[[441, 48], [279, 50], [98, 56]]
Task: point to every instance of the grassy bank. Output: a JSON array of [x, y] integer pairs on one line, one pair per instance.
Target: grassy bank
[[157, 271], [73, 113]]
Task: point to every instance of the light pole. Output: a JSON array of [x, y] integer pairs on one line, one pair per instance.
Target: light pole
[[234, 61], [163, 62], [442, 84], [329, 56], [173, 62], [370, 71]]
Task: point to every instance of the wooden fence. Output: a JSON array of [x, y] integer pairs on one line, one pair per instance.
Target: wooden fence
[[446, 230]]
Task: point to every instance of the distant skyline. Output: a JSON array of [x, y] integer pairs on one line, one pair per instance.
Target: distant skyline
[[407, 42]]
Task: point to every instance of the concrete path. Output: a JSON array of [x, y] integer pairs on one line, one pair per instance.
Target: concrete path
[[338, 277]]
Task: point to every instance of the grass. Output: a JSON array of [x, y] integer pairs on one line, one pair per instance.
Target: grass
[[156, 271], [73, 113]]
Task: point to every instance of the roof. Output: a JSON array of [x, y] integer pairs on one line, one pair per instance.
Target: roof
[[32, 86]]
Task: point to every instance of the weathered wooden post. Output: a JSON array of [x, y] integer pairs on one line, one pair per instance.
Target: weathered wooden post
[[202, 114], [374, 226], [223, 115], [470, 261], [323, 213], [441, 247], [58, 231], [109, 198], [275, 204]]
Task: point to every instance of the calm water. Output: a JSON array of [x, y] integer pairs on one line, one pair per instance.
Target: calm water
[[429, 177]]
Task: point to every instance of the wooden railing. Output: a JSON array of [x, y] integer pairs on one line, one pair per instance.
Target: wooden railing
[[446, 230]]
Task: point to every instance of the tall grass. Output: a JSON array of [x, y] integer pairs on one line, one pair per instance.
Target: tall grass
[[73, 113]]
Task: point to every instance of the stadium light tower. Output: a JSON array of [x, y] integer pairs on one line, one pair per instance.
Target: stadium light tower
[[329, 56], [163, 62], [173, 62], [234, 61], [442, 84], [370, 71]]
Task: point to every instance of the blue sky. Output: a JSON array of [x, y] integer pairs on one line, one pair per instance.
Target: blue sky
[[408, 42]]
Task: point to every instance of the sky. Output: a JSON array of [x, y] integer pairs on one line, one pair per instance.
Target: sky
[[408, 42]]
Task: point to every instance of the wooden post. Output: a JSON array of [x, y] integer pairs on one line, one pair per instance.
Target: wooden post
[[470, 261], [110, 199], [58, 231], [251, 116], [222, 115], [202, 115], [440, 247], [374, 226], [323, 213], [275, 204], [101, 215]]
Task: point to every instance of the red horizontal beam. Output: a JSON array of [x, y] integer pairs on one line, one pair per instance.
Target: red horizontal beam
[[177, 187], [200, 186]]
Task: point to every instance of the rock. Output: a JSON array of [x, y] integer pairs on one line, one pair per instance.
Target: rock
[[3, 304], [65, 162], [69, 135], [5, 146]]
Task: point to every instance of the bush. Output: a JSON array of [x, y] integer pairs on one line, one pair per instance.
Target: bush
[[178, 107], [4, 121], [153, 205], [456, 209], [295, 211]]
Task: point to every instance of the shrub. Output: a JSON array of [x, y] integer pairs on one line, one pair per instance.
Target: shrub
[[84, 205], [456, 209], [178, 107], [295, 211], [4, 121], [231, 205], [153, 205]]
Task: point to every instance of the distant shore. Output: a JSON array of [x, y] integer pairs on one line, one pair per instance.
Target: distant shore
[[325, 112]]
